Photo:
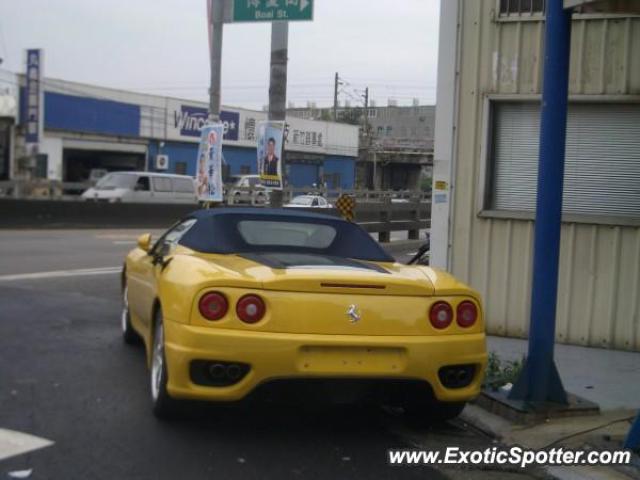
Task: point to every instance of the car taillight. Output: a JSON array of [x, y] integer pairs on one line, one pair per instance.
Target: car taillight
[[250, 309], [466, 314], [441, 315], [213, 305]]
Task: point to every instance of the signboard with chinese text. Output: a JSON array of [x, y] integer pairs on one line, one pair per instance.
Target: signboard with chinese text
[[33, 120], [182, 119]]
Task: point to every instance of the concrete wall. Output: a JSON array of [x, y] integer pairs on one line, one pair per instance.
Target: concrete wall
[[403, 123], [599, 285], [413, 124], [52, 147]]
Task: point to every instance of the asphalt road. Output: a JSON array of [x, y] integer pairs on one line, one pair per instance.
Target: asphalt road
[[65, 375]]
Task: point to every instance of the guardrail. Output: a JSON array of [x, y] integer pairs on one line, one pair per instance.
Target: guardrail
[[14, 213], [41, 188], [55, 189], [260, 196]]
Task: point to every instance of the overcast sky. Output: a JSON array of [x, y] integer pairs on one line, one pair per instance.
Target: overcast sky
[[160, 47]]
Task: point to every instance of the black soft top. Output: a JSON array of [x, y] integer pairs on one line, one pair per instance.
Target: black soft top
[[216, 231]]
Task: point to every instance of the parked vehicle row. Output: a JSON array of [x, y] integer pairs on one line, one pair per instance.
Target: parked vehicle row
[[148, 187]]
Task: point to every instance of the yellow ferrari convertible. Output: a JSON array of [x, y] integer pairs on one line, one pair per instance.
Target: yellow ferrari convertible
[[231, 303]]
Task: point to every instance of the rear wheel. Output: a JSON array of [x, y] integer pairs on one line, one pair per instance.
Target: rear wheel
[[163, 405], [129, 335], [261, 198]]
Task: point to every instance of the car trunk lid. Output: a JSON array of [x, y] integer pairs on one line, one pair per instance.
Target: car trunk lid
[[332, 296], [333, 275]]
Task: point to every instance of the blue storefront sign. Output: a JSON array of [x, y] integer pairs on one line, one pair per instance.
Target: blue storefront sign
[[33, 95], [190, 120]]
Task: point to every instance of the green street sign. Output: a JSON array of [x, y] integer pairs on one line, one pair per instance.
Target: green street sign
[[272, 10]]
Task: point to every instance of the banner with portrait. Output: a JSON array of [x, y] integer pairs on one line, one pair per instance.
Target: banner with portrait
[[209, 166], [270, 138]]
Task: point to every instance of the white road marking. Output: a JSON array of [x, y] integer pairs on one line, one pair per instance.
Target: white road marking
[[124, 242], [117, 236], [21, 473], [14, 443], [61, 273]]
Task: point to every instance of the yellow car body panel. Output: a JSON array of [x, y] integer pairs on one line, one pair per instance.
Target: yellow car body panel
[[306, 331]]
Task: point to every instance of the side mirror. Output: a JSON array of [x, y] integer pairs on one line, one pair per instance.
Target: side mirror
[[144, 242]]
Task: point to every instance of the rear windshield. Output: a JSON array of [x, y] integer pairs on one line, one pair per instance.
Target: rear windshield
[[289, 234], [303, 200], [231, 233]]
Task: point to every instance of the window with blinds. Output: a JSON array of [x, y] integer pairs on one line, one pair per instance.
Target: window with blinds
[[602, 169], [509, 7]]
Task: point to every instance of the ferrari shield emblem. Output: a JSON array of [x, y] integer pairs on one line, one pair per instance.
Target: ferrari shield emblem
[[353, 313]]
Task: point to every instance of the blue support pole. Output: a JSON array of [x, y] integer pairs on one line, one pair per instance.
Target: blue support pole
[[540, 381], [632, 442]]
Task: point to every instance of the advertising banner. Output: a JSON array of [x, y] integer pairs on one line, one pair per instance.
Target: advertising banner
[[209, 167], [270, 139]]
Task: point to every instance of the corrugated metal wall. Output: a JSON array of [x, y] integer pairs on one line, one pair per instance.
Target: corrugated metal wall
[[599, 286]]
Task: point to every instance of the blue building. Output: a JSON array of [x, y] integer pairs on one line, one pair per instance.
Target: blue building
[[88, 127]]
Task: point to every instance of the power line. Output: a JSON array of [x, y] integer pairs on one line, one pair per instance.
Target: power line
[[299, 96]]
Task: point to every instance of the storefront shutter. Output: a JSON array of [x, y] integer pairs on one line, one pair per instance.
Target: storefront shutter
[[602, 169]]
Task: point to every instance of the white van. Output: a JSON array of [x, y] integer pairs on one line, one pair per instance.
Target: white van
[[143, 187]]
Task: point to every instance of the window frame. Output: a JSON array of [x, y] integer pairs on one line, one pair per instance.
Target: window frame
[[139, 182], [158, 178], [540, 16], [181, 168], [176, 189], [484, 207], [158, 247]]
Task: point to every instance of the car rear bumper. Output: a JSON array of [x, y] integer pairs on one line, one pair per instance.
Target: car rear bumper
[[272, 356]]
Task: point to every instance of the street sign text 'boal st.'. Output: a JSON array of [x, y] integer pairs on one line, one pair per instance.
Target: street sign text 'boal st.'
[[272, 10]]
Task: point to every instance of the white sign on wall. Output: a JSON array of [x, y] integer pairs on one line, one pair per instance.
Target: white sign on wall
[[184, 119]]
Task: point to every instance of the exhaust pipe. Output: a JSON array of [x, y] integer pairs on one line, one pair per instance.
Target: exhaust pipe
[[234, 371], [457, 376], [217, 373], [217, 370]]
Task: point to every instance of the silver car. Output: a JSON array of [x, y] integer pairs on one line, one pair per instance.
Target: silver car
[[309, 201], [247, 189]]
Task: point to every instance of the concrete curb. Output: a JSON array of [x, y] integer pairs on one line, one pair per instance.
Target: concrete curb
[[501, 429]]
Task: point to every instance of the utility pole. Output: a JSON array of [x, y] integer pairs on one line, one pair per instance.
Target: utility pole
[[366, 127], [278, 89], [366, 111], [375, 167], [335, 97], [539, 381], [217, 16]]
